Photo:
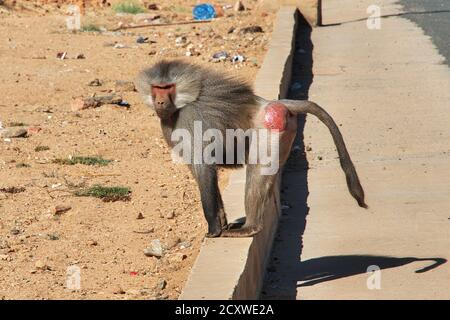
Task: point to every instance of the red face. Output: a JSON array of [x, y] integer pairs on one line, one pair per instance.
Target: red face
[[163, 95]]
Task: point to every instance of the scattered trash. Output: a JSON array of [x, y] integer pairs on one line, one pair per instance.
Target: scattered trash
[[61, 55], [204, 11], [33, 130], [238, 58], [219, 56], [251, 29]]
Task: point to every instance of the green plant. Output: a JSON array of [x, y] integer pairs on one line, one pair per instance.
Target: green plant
[[131, 7], [107, 194], [41, 148], [90, 27], [88, 161]]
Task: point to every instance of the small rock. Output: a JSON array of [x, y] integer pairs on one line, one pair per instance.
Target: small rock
[[171, 242], [13, 132], [15, 231], [141, 39], [308, 148], [170, 214], [252, 29], [60, 209], [238, 58], [120, 46], [231, 30], [180, 41], [155, 249], [152, 6], [177, 257], [140, 216], [92, 243], [161, 285], [5, 257], [152, 52], [81, 56], [219, 56], [41, 265], [122, 85], [95, 83], [238, 6], [320, 158], [184, 244], [118, 290]]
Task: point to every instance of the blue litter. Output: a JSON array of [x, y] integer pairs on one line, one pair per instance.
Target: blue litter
[[204, 11]]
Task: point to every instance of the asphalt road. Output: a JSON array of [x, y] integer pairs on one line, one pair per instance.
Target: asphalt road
[[433, 16]]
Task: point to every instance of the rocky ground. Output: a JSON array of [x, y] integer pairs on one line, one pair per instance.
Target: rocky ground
[[46, 229]]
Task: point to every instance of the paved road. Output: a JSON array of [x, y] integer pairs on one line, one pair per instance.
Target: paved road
[[434, 18], [389, 90]]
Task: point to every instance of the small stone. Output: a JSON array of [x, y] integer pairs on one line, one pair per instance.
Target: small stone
[[140, 216], [308, 148], [60, 209], [118, 290], [41, 265], [92, 243], [180, 41], [15, 231], [81, 56], [161, 285], [177, 257], [95, 83], [152, 52], [320, 158], [219, 56], [238, 6], [152, 6], [252, 29], [170, 214], [184, 244], [141, 39], [155, 249], [122, 85], [13, 132], [171, 242], [5, 257]]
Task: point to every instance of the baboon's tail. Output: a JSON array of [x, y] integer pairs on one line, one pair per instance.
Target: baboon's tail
[[354, 186]]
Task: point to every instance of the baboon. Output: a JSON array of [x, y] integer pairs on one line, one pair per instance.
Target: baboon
[[182, 93]]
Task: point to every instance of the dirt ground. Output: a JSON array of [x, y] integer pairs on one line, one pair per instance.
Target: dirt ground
[[104, 239]]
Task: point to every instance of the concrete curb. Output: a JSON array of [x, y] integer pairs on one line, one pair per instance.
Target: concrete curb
[[234, 268]]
